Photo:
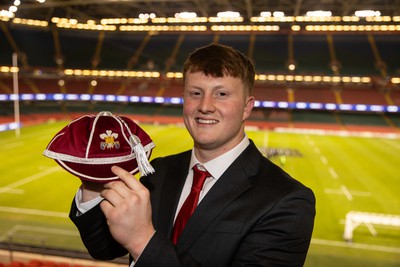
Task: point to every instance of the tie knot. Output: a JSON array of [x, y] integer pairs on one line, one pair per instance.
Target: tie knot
[[199, 177]]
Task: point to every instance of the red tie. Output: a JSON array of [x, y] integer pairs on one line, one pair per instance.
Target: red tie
[[190, 203]]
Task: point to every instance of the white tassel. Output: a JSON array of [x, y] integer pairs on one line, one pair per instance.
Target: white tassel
[[144, 165]]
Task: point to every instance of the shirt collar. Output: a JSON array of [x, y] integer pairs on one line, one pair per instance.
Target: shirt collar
[[216, 167]]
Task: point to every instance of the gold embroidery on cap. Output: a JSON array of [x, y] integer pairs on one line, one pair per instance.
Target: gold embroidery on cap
[[109, 138]]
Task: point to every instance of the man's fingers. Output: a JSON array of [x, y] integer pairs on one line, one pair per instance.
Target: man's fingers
[[114, 197], [126, 177], [106, 206]]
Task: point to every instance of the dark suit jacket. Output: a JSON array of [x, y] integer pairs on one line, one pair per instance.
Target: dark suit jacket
[[256, 214]]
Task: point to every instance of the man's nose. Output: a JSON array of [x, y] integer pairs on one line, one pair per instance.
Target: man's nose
[[206, 104]]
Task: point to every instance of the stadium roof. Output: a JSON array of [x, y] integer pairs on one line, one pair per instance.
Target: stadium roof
[[98, 9]]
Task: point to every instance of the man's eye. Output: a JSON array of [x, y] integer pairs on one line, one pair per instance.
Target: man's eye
[[195, 93], [222, 94]]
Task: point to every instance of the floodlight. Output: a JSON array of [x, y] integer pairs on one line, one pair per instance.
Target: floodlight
[[228, 14], [319, 13], [367, 13]]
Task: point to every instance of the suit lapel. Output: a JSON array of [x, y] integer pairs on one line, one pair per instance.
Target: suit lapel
[[170, 193], [228, 187]]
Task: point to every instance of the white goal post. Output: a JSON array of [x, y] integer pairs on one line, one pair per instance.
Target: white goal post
[[356, 218]]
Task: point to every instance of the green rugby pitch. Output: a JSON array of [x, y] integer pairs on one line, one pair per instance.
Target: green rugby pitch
[[345, 173]]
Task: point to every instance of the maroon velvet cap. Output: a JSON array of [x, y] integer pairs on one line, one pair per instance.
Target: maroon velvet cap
[[89, 146]]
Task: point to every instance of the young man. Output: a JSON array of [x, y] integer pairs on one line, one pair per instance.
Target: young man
[[250, 212]]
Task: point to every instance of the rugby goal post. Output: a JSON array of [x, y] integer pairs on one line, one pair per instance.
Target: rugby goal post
[[356, 218]]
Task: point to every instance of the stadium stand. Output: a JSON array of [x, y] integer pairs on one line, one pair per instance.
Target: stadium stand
[[39, 52], [266, 93], [78, 48], [386, 44], [162, 52], [316, 95], [363, 96], [356, 56], [395, 97], [270, 53], [117, 51], [313, 57]]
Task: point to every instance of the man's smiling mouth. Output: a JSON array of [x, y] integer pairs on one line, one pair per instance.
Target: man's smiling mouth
[[204, 121]]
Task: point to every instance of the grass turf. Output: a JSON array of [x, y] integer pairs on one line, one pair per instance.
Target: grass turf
[[345, 173]]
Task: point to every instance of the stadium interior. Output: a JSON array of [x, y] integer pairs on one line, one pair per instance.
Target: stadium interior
[[337, 71], [356, 70]]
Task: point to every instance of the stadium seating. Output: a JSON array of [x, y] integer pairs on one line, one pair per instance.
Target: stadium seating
[[116, 49], [311, 54], [363, 96], [167, 52], [316, 95]]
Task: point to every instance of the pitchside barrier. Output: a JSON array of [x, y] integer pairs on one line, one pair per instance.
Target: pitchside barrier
[[356, 218]]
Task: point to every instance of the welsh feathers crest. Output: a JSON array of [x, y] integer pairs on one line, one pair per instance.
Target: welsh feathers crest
[[109, 140]]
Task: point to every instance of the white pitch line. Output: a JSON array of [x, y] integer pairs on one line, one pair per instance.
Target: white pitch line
[[28, 179], [34, 212], [392, 143], [354, 193], [11, 190], [310, 141], [355, 245], [333, 173], [12, 145], [361, 193], [45, 230], [346, 192], [42, 230], [324, 160]]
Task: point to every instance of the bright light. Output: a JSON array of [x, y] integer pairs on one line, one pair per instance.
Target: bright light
[[265, 14], [228, 14], [319, 13], [147, 16], [6, 14], [367, 13], [279, 14], [296, 28], [291, 66], [13, 9], [186, 15]]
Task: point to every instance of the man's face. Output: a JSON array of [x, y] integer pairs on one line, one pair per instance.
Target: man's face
[[214, 111]]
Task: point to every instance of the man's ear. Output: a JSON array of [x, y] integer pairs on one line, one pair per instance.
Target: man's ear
[[248, 106]]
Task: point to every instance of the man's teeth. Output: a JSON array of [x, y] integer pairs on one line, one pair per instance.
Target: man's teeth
[[206, 121]]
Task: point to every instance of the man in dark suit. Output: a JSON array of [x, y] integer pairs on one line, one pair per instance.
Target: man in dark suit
[[249, 212]]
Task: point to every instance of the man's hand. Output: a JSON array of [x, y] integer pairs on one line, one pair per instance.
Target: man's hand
[[127, 208]]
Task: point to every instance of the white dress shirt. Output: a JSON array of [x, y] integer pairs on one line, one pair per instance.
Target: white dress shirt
[[216, 167]]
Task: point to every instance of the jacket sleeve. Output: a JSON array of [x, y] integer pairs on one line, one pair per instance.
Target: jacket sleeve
[[95, 234]]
